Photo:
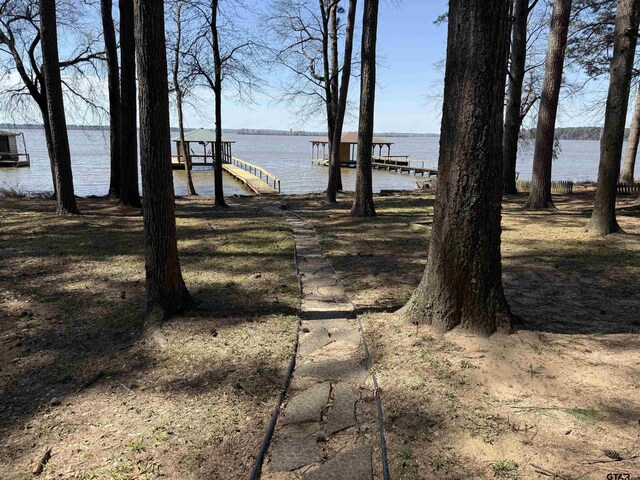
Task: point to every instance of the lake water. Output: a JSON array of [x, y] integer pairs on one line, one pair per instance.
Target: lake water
[[287, 157]]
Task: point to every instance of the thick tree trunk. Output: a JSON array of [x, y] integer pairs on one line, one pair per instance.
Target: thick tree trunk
[[166, 290], [129, 192], [540, 195], [191, 189], [603, 219], [113, 75], [66, 200], [217, 62], [632, 146], [462, 283], [363, 201], [512, 121], [335, 177]]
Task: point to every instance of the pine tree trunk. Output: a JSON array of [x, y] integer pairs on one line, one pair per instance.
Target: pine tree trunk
[[363, 201], [191, 189], [462, 283], [166, 290], [217, 62], [629, 166], [66, 200], [540, 195], [335, 177], [512, 119], [113, 75], [603, 219], [129, 191]]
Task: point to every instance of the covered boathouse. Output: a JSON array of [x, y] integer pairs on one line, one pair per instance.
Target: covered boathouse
[[348, 149], [10, 155]]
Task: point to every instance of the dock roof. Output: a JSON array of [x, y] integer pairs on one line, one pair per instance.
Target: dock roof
[[200, 135], [352, 139]]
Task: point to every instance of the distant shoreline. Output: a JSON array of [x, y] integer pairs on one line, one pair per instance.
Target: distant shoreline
[[237, 131]]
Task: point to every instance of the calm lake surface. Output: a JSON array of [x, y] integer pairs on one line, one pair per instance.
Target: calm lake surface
[[287, 157]]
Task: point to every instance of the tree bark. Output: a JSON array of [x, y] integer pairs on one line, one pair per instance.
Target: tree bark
[[363, 202], [513, 120], [540, 195], [603, 219], [113, 76], [166, 290], [66, 200], [191, 189], [335, 174], [335, 162], [217, 62], [629, 166], [325, 14], [129, 191], [462, 283]]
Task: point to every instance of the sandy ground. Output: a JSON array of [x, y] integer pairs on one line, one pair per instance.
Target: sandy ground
[[77, 374], [559, 398]]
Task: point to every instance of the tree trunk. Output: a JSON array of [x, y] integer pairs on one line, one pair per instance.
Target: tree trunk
[[462, 283], [191, 189], [66, 200], [113, 75], [512, 121], [363, 201], [540, 195], [166, 290], [129, 192], [629, 166], [327, 74], [603, 219], [335, 175], [335, 162], [217, 62]]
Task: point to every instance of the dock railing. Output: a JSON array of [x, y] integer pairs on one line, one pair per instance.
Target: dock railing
[[259, 172]]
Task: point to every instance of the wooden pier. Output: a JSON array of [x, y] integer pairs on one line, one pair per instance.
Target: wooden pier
[[254, 178], [402, 165]]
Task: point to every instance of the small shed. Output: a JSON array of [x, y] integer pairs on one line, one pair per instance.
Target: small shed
[[195, 140], [348, 148], [10, 156]]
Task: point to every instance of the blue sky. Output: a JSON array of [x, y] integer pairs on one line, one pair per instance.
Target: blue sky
[[409, 45]]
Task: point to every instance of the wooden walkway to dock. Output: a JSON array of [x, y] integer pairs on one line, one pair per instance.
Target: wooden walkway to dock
[[254, 178]]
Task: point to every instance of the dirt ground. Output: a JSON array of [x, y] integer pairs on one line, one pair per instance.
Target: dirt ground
[[559, 398], [77, 374]]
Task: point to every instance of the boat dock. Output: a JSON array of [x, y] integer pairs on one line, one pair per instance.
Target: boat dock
[[254, 178], [395, 164], [10, 155]]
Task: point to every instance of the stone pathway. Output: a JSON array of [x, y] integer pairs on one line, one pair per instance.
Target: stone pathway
[[327, 428]]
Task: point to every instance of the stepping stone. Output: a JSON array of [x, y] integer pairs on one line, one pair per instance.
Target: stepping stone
[[334, 370], [315, 340], [308, 405], [291, 453], [355, 464], [342, 413], [318, 310]]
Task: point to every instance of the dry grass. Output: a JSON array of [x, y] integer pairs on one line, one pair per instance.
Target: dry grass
[[189, 403], [544, 402]]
